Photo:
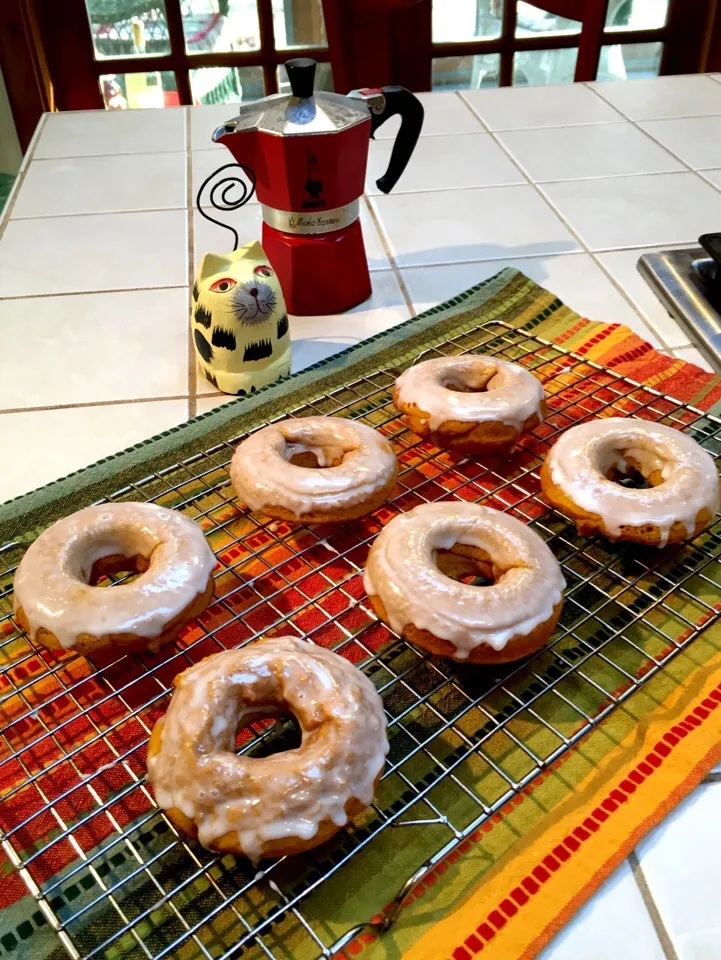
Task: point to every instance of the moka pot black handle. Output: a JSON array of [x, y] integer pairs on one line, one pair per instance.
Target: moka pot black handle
[[399, 101]]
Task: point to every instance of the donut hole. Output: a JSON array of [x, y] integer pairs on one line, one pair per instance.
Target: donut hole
[[629, 472], [463, 388], [467, 564], [274, 732], [116, 567], [310, 460], [314, 458], [468, 381], [631, 479]]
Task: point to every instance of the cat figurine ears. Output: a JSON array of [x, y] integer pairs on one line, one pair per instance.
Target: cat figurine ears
[[239, 321], [216, 263]]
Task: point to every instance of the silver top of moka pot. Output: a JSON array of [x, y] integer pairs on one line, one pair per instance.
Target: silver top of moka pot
[[301, 112]]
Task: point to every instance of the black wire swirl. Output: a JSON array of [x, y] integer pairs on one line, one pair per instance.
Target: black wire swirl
[[227, 186]]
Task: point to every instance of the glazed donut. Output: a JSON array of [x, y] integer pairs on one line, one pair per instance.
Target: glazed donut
[[578, 477], [409, 572], [469, 403], [58, 603], [278, 470], [287, 802]]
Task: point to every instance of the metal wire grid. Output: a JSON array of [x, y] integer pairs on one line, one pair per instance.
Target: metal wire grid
[[112, 876]]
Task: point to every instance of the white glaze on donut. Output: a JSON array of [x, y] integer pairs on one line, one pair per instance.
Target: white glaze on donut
[[285, 795], [51, 581], [506, 392], [402, 571], [582, 457], [262, 475]]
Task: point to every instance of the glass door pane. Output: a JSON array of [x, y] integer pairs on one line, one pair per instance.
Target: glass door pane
[[531, 21], [466, 73], [220, 25], [459, 20], [127, 28], [139, 91], [629, 61], [636, 14], [299, 23], [226, 84], [535, 68]]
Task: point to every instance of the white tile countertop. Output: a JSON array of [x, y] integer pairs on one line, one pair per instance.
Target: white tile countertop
[[570, 184]]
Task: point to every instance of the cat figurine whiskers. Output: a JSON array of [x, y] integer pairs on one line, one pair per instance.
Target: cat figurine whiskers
[[239, 321]]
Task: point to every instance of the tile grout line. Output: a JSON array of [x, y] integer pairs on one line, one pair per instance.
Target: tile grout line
[[518, 183], [99, 213], [103, 156], [595, 92], [585, 123], [593, 254], [637, 125], [22, 173], [650, 904], [716, 186], [593, 86], [585, 248], [190, 275], [688, 169], [451, 189], [112, 153], [647, 323], [476, 116], [529, 182], [128, 210], [395, 269], [388, 269], [658, 143], [622, 118], [125, 401], [88, 293]]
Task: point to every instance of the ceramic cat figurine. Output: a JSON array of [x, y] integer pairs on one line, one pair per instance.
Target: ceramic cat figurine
[[239, 321]]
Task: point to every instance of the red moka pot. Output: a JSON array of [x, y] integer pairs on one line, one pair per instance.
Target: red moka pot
[[308, 152]]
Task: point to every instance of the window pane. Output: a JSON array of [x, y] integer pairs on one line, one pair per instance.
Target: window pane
[[131, 91], [629, 61], [534, 68], [466, 73], [530, 22], [298, 23], [636, 14], [323, 78], [220, 25], [458, 20], [226, 84], [128, 28]]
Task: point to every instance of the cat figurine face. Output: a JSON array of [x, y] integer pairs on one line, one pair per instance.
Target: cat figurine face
[[239, 321]]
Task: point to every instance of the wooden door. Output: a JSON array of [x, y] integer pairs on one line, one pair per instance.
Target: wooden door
[[488, 43], [152, 53], [120, 54]]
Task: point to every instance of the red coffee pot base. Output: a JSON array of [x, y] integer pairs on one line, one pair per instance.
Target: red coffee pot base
[[321, 273]]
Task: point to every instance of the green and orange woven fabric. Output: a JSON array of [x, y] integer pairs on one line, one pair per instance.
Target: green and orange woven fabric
[[616, 347], [119, 884]]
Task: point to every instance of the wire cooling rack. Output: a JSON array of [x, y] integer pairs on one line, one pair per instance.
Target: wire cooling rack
[[113, 878]]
